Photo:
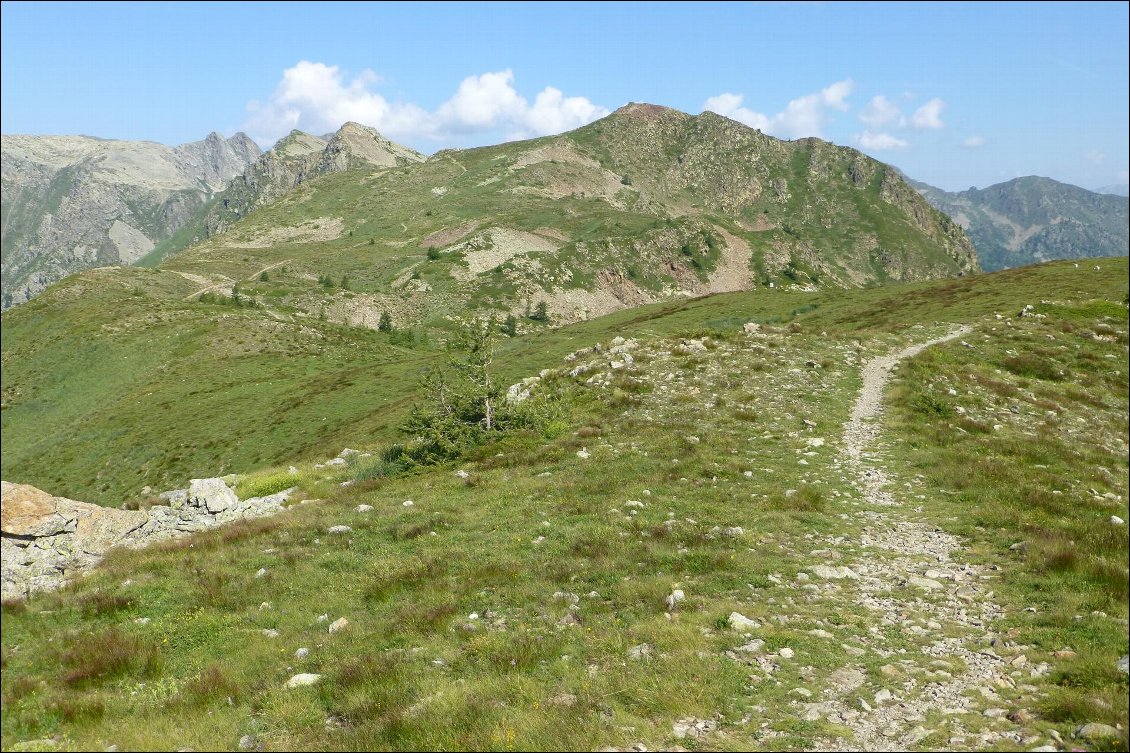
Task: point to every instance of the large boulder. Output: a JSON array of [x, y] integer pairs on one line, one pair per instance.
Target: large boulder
[[28, 512], [212, 494]]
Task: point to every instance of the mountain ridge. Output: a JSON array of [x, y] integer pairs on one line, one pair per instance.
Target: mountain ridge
[[1032, 219]]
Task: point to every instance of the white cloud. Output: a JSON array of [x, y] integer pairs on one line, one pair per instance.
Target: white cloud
[[553, 112], [482, 102], [318, 98], [882, 111], [929, 115], [880, 141], [804, 116], [1095, 157], [315, 97], [974, 142]]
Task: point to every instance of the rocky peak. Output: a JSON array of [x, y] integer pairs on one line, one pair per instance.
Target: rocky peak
[[297, 144], [644, 111], [213, 161], [242, 145], [354, 143]]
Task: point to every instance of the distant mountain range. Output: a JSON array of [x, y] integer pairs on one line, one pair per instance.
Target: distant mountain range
[[73, 202], [1030, 220]]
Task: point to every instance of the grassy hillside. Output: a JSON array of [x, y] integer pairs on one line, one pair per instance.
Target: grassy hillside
[[523, 607], [98, 407]]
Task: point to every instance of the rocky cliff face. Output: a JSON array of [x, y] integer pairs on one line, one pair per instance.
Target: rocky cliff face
[[73, 202]]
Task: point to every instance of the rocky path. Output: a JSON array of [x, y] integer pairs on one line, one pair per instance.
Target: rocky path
[[915, 581]]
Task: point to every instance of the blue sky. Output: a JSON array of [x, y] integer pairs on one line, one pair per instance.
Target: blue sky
[[954, 94]]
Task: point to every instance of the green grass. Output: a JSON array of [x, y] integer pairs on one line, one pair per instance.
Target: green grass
[[415, 670]]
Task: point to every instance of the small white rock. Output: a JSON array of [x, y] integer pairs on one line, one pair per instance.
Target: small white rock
[[339, 624], [302, 680], [741, 623]]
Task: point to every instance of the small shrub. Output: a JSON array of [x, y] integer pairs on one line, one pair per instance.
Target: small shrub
[[541, 312], [433, 253], [931, 405], [263, 276]]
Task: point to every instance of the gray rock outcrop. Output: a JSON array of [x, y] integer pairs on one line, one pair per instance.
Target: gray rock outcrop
[[46, 539]]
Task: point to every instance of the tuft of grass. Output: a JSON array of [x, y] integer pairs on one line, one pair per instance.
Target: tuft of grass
[[1033, 365], [807, 498], [102, 603], [92, 659], [210, 685]]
